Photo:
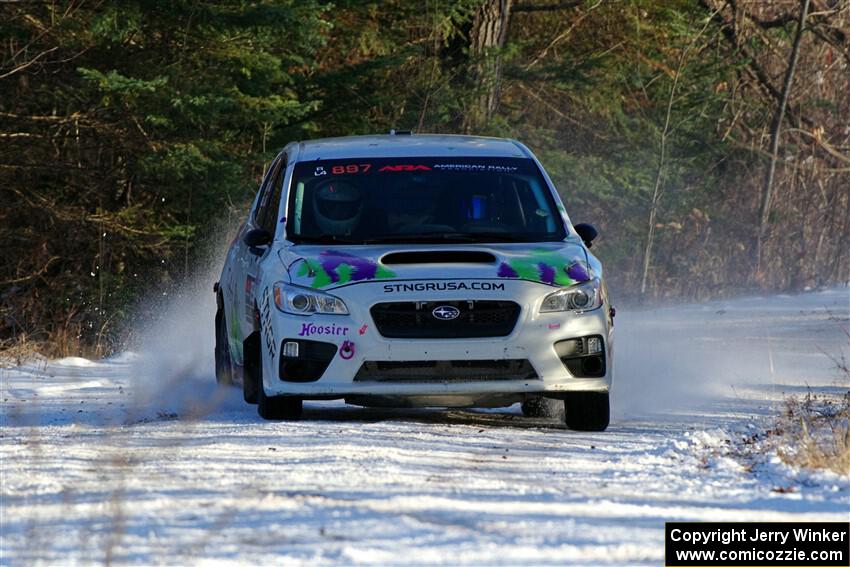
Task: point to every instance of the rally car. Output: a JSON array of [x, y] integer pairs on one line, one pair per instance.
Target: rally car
[[414, 271]]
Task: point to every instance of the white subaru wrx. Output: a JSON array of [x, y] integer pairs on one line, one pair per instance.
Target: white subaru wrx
[[414, 270]]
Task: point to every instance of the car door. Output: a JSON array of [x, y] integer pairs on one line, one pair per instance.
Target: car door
[[262, 216]]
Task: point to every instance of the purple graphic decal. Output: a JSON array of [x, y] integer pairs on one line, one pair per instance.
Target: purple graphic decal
[[505, 271], [362, 269], [546, 267], [547, 273], [577, 272], [340, 268]]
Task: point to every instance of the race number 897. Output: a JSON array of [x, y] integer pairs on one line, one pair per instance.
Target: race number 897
[[353, 168]]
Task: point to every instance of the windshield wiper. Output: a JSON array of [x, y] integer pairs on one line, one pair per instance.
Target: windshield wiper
[[500, 237], [427, 237], [444, 237], [325, 239]]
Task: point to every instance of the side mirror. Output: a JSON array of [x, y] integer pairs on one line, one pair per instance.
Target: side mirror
[[587, 233], [257, 238]]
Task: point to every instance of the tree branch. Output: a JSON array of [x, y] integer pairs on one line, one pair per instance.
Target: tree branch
[[23, 66], [33, 275], [753, 68], [547, 7], [560, 37], [776, 128]]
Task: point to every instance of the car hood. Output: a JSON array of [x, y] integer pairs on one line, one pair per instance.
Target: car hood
[[328, 267]]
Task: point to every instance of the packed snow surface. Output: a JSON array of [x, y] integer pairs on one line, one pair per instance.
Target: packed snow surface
[[141, 459]]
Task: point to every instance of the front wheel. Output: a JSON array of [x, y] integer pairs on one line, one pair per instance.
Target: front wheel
[[278, 408], [538, 406], [223, 368], [587, 411], [252, 370]]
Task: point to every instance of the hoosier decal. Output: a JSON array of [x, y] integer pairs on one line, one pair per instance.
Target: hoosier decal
[[310, 329]]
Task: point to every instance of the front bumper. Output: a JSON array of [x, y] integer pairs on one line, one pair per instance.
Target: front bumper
[[358, 341]]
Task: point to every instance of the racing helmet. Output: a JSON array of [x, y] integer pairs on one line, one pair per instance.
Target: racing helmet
[[337, 206]]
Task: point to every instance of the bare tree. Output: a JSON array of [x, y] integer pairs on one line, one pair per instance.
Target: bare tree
[[775, 131], [487, 36], [662, 161]]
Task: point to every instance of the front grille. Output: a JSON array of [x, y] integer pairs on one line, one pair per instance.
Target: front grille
[[415, 319], [419, 371]]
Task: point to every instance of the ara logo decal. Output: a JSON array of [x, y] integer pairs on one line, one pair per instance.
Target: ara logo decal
[[405, 168]]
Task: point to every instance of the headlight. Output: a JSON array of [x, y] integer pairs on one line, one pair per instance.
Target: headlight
[[302, 301], [580, 297]]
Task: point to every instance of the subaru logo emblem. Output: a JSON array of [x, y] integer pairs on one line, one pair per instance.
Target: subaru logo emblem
[[446, 313]]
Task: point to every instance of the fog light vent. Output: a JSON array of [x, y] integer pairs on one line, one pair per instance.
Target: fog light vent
[[303, 360], [584, 357], [290, 349]]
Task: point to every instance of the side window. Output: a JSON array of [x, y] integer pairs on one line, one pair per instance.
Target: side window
[[267, 190], [269, 220], [262, 202]]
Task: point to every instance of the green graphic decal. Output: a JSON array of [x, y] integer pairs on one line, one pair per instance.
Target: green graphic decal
[[341, 268], [546, 267]]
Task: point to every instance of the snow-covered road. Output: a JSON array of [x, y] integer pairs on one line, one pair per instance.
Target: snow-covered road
[[140, 459]]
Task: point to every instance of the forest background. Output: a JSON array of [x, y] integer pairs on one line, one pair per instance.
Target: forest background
[[707, 140]]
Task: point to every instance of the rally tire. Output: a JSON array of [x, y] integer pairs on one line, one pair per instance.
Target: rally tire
[[587, 411], [252, 373], [278, 408], [223, 366], [538, 406]]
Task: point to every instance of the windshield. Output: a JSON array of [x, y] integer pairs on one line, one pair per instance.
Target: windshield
[[365, 201]]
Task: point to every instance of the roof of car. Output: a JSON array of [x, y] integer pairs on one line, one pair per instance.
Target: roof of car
[[409, 145]]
